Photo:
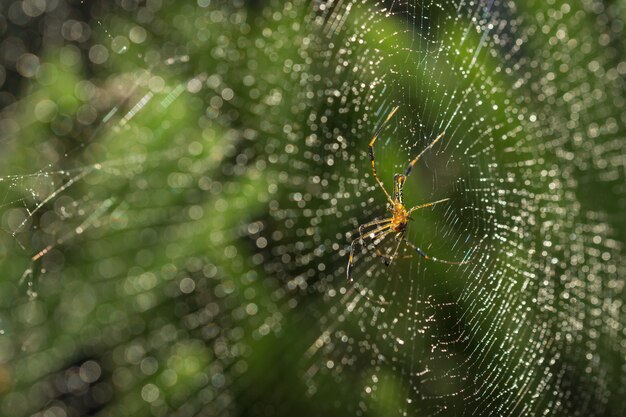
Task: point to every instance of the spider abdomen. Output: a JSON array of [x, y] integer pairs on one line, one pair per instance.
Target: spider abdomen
[[400, 227]]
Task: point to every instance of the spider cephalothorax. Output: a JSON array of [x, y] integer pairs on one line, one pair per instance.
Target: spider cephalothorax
[[398, 211], [397, 224]]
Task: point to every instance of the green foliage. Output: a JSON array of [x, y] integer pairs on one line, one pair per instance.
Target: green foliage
[[180, 188]]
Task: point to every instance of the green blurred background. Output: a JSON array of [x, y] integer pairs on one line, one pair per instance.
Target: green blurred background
[[180, 183]]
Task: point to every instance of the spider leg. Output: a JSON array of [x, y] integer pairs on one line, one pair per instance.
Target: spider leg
[[400, 239], [388, 259], [371, 151], [382, 233], [360, 240], [372, 223], [432, 258], [417, 158], [377, 240], [426, 205]]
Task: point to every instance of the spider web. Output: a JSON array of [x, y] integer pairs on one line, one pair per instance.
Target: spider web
[[493, 336], [176, 222]]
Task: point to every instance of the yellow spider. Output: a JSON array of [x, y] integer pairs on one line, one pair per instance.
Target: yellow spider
[[398, 222]]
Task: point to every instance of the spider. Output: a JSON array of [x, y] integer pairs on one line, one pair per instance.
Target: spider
[[398, 222]]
